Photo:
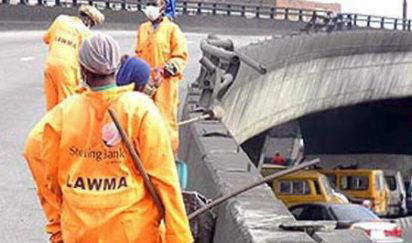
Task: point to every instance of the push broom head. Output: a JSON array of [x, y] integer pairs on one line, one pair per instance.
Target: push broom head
[[213, 114]]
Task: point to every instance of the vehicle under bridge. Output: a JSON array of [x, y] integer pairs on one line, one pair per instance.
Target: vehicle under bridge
[[373, 134]]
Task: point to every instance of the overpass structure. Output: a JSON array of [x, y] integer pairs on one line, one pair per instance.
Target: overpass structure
[[313, 73], [279, 80]]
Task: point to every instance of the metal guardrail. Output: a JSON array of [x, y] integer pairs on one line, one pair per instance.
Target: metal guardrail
[[219, 67], [263, 11]]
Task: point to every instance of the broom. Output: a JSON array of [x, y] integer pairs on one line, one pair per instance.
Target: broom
[[215, 202], [139, 165]]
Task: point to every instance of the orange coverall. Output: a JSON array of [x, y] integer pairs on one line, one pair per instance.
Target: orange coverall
[[96, 193], [166, 44], [62, 70]]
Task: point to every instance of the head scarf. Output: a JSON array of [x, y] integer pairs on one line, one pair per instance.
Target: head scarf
[[94, 14], [133, 70], [100, 54]]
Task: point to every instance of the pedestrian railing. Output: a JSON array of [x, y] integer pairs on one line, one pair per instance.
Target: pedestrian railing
[[314, 18]]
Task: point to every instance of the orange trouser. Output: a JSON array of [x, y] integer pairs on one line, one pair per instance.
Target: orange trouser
[[60, 81], [38, 171], [167, 101], [122, 228]]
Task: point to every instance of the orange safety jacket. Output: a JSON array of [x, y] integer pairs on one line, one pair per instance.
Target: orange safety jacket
[[62, 70], [32, 154], [96, 193], [166, 44]]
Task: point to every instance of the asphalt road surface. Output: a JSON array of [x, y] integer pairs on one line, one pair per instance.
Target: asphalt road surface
[[22, 55]]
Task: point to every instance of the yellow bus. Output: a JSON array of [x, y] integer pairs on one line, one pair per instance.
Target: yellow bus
[[304, 186], [364, 184]]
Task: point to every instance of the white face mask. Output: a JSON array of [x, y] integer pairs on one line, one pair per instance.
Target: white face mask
[[152, 12]]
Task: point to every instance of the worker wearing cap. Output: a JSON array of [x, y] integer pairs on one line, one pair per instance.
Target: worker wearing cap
[[133, 71], [162, 44], [64, 38], [94, 192]]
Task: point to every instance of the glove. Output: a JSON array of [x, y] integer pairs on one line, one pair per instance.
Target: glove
[[170, 70]]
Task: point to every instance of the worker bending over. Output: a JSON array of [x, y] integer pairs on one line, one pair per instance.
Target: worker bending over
[[94, 192], [64, 38], [162, 44]]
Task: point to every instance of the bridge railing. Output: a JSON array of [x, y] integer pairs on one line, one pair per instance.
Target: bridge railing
[[380, 22], [262, 11]]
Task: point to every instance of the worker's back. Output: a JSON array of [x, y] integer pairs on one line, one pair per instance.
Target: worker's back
[[95, 171], [64, 38], [100, 187]]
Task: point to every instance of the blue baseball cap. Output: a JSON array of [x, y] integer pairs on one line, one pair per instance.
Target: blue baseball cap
[[133, 70]]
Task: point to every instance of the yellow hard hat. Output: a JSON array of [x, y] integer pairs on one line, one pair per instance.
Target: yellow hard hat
[[94, 14]]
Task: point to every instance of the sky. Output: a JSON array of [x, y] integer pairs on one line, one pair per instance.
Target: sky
[[391, 8]]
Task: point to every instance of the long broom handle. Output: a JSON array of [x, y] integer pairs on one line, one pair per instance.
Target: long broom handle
[[139, 165], [194, 119], [220, 200]]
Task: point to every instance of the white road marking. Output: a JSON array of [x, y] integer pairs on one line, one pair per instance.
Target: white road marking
[[26, 59]]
